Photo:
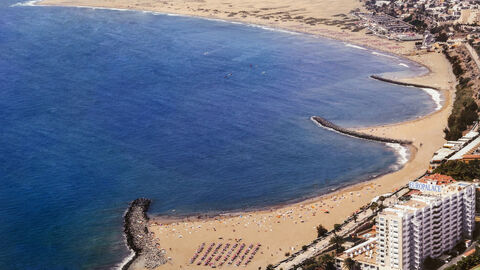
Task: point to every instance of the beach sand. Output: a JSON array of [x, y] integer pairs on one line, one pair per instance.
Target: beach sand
[[323, 18], [288, 228]]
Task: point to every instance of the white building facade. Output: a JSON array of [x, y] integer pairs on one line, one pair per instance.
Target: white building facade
[[428, 224]]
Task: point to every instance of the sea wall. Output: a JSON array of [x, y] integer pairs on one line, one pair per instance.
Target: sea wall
[[139, 239], [327, 124], [402, 83]]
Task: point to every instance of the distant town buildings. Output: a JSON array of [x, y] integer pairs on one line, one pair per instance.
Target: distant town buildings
[[421, 20], [428, 41], [388, 26], [439, 213]]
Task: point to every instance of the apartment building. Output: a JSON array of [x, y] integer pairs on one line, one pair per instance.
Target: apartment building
[[430, 223], [439, 214]]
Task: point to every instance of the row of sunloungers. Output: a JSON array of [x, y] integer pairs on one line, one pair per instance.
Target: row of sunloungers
[[224, 253]]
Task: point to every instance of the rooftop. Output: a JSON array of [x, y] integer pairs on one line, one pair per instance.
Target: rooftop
[[423, 198], [442, 154], [467, 149], [364, 252], [437, 179]]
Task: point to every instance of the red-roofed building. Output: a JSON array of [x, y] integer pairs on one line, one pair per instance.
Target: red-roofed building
[[468, 158], [413, 192], [468, 253], [437, 179]]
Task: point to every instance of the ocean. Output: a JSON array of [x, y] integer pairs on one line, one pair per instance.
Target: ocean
[[99, 107]]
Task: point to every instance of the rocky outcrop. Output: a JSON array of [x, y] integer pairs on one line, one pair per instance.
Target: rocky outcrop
[[327, 124], [139, 239]]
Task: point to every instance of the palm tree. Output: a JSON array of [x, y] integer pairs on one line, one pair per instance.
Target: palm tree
[[349, 264], [321, 231], [374, 206], [381, 199], [326, 262], [325, 258], [336, 228], [337, 241]]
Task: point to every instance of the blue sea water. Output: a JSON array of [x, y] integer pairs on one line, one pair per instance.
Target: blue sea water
[[99, 107]]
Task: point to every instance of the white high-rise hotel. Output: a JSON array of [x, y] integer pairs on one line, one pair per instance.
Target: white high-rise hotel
[[430, 223], [439, 214]]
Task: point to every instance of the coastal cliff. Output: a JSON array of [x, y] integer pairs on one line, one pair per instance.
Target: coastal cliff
[[139, 239], [327, 124]]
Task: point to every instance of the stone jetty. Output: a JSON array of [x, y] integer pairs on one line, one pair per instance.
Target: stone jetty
[[327, 124], [147, 252], [402, 83]]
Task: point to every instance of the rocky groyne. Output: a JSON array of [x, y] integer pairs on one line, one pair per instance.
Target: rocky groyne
[[329, 125], [402, 83], [139, 239]]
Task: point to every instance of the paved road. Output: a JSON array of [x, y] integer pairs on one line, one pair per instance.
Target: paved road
[[474, 54], [458, 258], [324, 243]]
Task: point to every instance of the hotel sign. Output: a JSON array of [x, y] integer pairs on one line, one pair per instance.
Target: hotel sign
[[424, 187]]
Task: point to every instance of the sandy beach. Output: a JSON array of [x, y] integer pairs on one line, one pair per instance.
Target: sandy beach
[[288, 228], [321, 18]]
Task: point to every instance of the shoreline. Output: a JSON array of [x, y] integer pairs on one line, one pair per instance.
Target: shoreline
[[379, 51], [199, 216], [348, 188], [354, 186]]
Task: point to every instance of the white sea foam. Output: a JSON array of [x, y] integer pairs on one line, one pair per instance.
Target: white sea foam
[[400, 150], [402, 154], [125, 261], [403, 65], [384, 55], [436, 97], [231, 22], [354, 46], [130, 256], [25, 4], [104, 8]]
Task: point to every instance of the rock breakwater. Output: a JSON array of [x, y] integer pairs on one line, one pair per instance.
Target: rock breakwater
[[139, 239], [329, 125], [402, 83]]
